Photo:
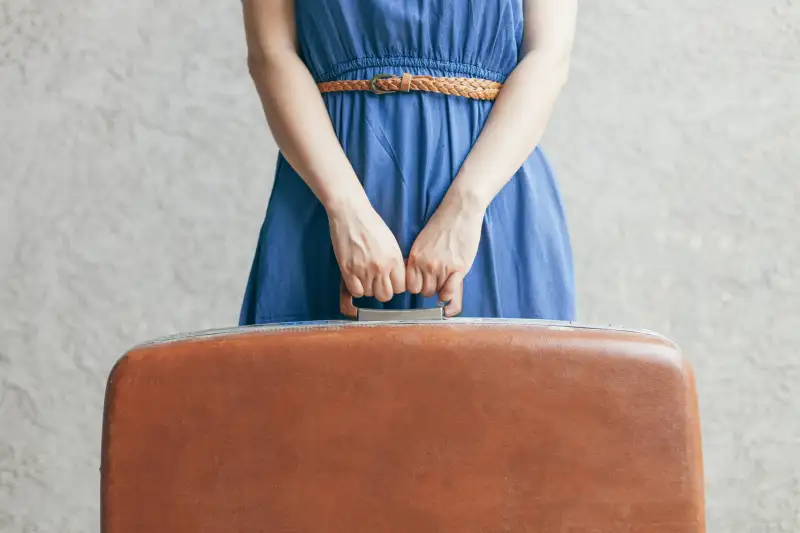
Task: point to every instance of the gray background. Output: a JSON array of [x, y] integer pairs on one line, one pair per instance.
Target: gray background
[[135, 168]]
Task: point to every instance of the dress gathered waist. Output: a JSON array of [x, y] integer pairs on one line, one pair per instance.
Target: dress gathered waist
[[414, 65]]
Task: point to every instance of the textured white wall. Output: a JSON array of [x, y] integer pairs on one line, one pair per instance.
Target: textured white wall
[[135, 168]]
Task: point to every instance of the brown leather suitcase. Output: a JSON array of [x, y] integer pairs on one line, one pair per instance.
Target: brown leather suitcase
[[403, 426]]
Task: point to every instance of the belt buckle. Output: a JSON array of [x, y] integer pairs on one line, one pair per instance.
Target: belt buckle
[[373, 84]]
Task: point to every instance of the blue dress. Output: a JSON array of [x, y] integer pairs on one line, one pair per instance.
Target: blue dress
[[406, 149]]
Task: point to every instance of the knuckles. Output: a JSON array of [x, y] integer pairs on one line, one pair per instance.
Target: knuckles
[[434, 265]]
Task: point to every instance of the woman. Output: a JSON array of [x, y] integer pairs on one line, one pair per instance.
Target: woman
[[412, 197]]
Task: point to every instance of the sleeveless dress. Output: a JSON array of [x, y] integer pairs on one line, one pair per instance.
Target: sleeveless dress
[[406, 149]]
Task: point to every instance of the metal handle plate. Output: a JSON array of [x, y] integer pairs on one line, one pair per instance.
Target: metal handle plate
[[384, 315]]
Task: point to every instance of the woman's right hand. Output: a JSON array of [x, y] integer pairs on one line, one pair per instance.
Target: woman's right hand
[[367, 252]]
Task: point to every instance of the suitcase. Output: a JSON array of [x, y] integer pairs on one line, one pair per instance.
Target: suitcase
[[402, 422]]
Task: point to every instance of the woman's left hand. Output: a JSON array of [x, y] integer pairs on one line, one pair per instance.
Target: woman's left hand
[[443, 253]]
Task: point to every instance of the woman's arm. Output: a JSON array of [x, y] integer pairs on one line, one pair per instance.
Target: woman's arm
[[293, 105], [519, 117], [367, 252], [446, 248]]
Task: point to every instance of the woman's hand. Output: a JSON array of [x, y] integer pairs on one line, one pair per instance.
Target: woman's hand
[[444, 252], [367, 252]]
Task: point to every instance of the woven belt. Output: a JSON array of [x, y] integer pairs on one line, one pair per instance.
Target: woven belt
[[477, 89]]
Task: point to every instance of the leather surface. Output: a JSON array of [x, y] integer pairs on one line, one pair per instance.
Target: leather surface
[[457, 427]]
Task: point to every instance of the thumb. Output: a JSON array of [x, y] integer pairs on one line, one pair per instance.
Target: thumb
[[346, 302], [452, 292]]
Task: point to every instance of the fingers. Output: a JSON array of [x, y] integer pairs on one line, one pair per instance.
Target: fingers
[[353, 284], [379, 281], [398, 279], [430, 284], [430, 278], [413, 278], [452, 291], [423, 276], [368, 281], [382, 288]]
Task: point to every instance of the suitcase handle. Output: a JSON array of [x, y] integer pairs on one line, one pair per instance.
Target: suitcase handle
[[349, 310], [383, 315]]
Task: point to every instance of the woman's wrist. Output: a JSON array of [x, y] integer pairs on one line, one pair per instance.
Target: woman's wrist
[[464, 197], [345, 197]]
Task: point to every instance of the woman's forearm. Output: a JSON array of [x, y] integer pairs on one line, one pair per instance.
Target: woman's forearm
[[520, 115], [302, 129], [511, 133], [294, 108]]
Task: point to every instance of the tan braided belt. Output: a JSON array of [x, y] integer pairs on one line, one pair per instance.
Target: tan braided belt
[[387, 83]]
